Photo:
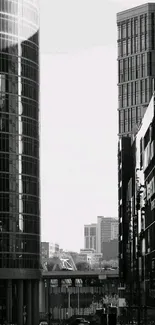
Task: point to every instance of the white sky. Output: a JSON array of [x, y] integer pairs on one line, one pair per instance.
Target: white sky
[[78, 115]]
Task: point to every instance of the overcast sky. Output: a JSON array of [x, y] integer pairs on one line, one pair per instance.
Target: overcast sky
[[78, 116]]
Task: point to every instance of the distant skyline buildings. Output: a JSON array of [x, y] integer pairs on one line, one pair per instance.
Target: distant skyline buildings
[[105, 230], [48, 249], [90, 236]]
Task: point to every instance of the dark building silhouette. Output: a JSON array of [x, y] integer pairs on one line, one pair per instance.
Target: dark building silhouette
[[19, 162], [110, 250]]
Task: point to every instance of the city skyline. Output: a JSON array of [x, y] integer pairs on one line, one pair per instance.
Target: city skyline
[[78, 89]]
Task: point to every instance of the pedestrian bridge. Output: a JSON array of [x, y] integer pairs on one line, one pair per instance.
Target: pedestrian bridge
[[103, 275], [62, 291]]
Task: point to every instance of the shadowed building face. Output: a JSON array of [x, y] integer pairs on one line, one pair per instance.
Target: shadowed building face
[[19, 160]]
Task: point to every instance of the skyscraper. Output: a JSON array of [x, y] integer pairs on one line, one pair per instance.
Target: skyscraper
[[107, 230], [136, 69], [136, 64], [19, 162]]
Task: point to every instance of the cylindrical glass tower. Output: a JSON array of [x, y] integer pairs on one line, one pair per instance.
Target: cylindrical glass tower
[[19, 149]]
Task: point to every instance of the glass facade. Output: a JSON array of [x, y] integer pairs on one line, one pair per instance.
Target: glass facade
[[19, 135]]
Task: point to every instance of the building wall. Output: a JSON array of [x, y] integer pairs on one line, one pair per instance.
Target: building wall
[[110, 250]]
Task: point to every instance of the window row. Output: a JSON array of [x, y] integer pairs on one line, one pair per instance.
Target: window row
[[131, 46], [9, 104], [28, 204], [15, 260], [29, 88], [9, 125], [30, 52], [129, 118], [9, 24], [134, 67], [19, 243], [9, 163], [9, 44], [130, 28], [27, 146], [27, 185], [28, 9], [9, 65], [12, 222], [134, 93]]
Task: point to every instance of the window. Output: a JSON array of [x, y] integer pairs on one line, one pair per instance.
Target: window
[[93, 231], [133, 67], [142, 91], [142, 42], [129, 94], [129, 46], [129, 29], [124, 30], [119, 49], [137, 67], [120, 96], [136, 26], [142, 24], [130, 67], [121, 121], [124, 47], [86, 231], [136, 44], [143, 65], [136, 92], [119, 31], [146, 92], [126, 69]]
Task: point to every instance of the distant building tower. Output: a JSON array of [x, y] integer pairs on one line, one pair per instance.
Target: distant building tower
[[107, 230], [90, 236], [44, 250], [114, 229]]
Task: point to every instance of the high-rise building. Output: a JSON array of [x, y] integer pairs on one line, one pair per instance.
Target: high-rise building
[[136, 70], [107, 230], [19, 162], [136, 67], [90, 233], [114, 229]]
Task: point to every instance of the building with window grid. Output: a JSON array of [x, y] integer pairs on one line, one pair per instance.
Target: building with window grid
[[90, 236], [136, 70], [19, 162], [136, 64]]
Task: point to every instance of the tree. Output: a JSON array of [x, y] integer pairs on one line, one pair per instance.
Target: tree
[[83, 266]]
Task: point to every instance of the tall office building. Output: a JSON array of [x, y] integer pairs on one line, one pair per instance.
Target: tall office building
[[90, 233], [19, 162], [136, 69], [107, 230]]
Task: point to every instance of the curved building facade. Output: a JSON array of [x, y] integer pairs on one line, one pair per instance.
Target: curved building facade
[[19, 161]]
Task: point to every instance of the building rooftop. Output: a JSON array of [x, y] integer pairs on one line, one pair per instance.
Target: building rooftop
[[138, 10]]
